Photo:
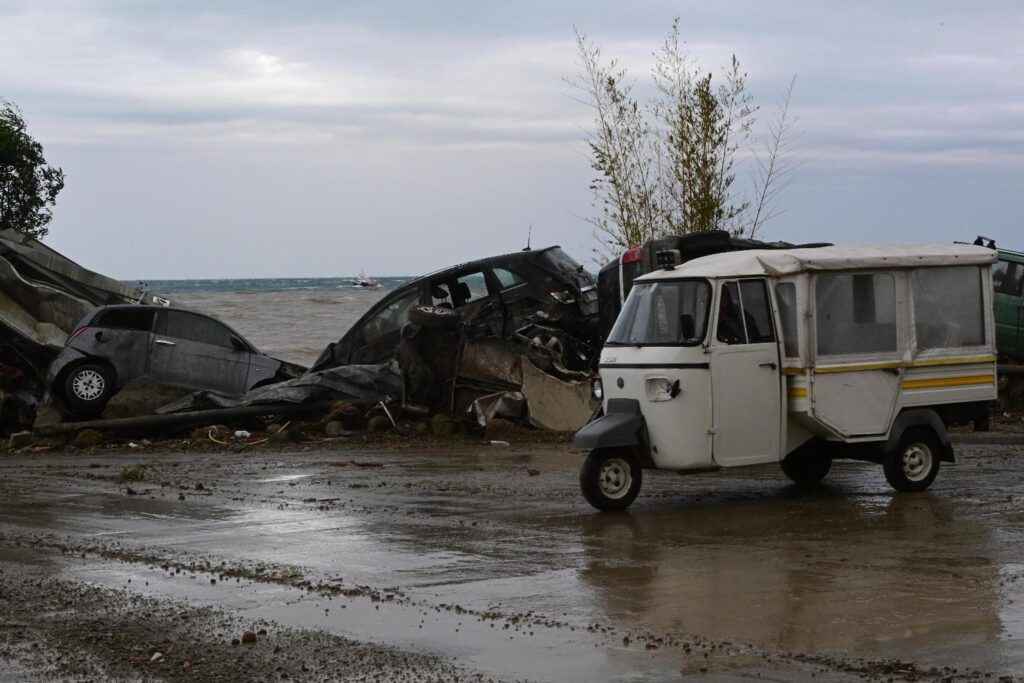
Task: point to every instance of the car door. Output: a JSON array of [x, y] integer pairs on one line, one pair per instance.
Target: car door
[[1008, 282], [197, 352], [746, 381]]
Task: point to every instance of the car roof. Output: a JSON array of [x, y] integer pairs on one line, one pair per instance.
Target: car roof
[[779, 262], [516, 255]]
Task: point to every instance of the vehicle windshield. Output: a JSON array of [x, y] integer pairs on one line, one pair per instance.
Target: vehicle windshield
[[666, 313]]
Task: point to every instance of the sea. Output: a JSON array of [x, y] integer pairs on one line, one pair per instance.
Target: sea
[[292, 319]]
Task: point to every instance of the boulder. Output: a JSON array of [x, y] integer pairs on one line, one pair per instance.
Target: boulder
[[443, 425], [378, 423], [142, 396], [87, 438]]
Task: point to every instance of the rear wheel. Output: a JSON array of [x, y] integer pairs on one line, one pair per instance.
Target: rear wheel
[[436, 317], [914, 463], [806, 467], [88, 387], [610, 479]]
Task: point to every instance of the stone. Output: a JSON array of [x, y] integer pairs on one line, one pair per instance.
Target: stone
[[87, 438], [248, 637], [142, 396], [443, 425], [378, 423], [274, 428], [334, 428], [21, 439]]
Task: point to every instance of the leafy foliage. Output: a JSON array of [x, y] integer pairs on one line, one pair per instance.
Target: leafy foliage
[[28, 186], [669, 166]]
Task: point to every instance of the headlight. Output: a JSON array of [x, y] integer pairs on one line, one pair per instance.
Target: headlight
[[597, 390]]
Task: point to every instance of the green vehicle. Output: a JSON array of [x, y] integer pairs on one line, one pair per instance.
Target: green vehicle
[[1008, 280]]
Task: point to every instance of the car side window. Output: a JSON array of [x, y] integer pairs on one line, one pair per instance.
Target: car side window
[[127, 319], [506, 278], [197, 328], [390, 318], [1007, 277], [744, 316], [469, 288]]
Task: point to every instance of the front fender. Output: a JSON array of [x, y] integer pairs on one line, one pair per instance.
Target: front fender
[[622, 426]]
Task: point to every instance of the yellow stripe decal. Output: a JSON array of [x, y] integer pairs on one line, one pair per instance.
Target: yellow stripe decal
[[792, 371], [797, 392], [948, 382], [928, 362]]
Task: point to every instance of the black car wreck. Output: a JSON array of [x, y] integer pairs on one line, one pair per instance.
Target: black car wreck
[[538, 297]]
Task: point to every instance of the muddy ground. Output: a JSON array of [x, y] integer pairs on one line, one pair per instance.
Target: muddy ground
[[460, 560]]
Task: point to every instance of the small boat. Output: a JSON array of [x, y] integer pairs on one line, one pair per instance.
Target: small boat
[[363, 281]]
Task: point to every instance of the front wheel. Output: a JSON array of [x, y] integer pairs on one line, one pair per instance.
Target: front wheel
[[914, 463], [610, 479], [88, 387]]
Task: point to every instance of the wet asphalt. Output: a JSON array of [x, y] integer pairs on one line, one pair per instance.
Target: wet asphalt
[[482, 562]]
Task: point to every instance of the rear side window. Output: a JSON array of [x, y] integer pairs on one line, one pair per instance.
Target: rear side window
[[855, 313], [948, 307], [506, 278], [785, 294], [127, 319], [196, 328], [1007, 277]]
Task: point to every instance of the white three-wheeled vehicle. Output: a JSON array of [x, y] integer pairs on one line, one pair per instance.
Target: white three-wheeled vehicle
[[794, 356]]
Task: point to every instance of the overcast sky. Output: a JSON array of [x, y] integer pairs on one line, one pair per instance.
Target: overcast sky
[[276, 139]]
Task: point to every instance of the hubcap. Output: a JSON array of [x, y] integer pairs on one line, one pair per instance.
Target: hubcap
[[615, 478], [88, 385], [917, 461]]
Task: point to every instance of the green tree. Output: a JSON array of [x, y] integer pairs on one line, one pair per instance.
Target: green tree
[[28, 185], [668, 166]]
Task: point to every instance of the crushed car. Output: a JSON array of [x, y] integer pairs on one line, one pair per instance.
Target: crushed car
[[112, 345], [541, 297]]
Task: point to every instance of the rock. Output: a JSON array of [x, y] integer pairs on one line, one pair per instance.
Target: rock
[[87, 438], [497, 428], [142, 396], [283, 436], [236, 641], [248, 637], [21, 439], [274, 428], [532, 472], [443, 425], [334, 428], [378, 423], [199, 486]]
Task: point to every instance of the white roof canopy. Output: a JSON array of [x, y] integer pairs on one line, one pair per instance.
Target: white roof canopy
[[779, 262]]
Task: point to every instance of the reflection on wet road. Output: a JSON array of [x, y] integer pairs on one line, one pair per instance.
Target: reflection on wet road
[[516, 576]]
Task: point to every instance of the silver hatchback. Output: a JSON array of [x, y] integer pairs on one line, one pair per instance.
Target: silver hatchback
[[115, 344]]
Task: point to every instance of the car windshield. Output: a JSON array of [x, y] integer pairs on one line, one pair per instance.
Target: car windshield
[[668, 313]]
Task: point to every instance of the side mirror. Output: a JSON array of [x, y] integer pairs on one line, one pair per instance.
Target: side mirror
[[238, 344], [687, 327]]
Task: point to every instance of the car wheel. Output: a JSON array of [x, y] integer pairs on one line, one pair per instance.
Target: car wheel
[[914, 463], [88, 387], [435, 317], [806, 468], [610, 479]]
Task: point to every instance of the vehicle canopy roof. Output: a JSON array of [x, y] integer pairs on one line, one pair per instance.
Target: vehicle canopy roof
[[781, 262]]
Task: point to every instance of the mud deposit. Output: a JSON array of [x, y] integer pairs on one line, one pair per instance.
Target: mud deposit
[[483, 563]]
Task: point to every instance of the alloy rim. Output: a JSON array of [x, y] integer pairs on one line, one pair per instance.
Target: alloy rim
[[88, 385]]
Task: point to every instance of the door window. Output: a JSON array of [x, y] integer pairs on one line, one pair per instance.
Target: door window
[[469, 288], [855, 313], [127, 319], [1007, 277], [744, 316], [391, 318], [197, 328]]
